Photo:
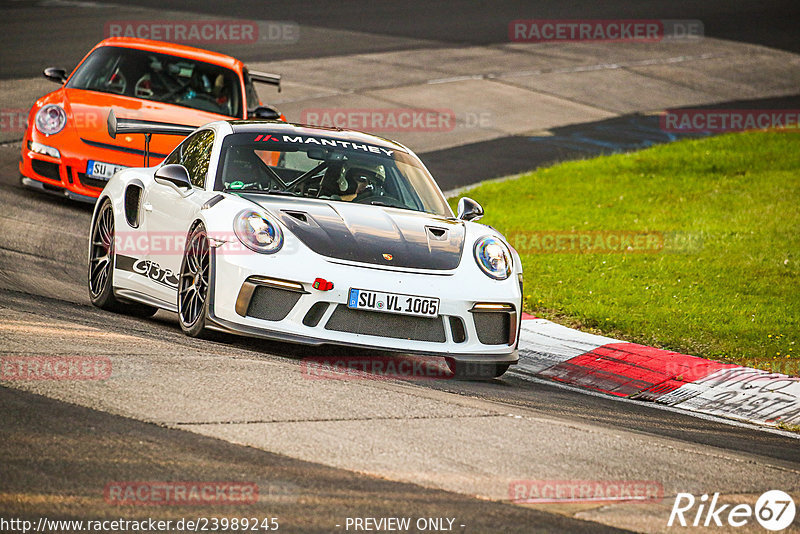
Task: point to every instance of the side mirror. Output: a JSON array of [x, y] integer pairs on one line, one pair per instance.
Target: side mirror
[[174, 175], [469, 210], [55, 75], [263, 112]]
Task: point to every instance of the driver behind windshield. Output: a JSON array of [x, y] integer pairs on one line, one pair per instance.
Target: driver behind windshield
[[284, 164], [347, 183], [359, 181]]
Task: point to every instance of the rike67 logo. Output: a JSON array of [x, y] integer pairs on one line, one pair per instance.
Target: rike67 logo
[[774, 510]]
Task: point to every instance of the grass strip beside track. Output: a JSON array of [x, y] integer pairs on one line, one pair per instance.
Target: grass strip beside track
[[692, 246]]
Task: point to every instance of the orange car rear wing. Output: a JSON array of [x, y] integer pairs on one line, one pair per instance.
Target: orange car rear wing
[[264, 77], [130, 126]]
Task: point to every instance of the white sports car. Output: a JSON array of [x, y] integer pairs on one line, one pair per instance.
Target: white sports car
[[309, 235]]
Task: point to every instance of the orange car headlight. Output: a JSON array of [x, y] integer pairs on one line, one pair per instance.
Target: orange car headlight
[[51, 119]]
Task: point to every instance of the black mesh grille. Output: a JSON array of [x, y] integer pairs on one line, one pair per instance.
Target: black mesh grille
[[386, 325], [492, 328], [457, 330], [46, 169], [91, 182], [271, 304], [315, 313]]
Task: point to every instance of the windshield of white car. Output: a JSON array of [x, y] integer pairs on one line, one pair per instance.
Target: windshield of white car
[[327, 169], [161, 78]]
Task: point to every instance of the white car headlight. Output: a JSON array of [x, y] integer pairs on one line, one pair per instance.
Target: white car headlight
[[493, 257], [258, 232], [51, 119]]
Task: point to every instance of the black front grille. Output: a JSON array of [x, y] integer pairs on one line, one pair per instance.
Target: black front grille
[[386, 325], [91, 182], [272, 304], [46, 169], [493, 328]]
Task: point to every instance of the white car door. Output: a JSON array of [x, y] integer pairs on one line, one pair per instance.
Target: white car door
[[170, 211]]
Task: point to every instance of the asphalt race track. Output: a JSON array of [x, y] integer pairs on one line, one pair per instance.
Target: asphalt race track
[[410, 24], [320, 451]]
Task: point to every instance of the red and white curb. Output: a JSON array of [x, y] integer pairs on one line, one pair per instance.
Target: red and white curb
[[549, 350]]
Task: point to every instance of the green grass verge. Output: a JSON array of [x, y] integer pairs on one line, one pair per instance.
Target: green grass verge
[[716, 269]]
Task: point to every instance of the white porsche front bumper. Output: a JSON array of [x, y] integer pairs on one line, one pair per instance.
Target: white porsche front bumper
[[272, 296]]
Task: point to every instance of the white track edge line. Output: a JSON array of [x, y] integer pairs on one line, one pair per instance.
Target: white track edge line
[[699, 415]]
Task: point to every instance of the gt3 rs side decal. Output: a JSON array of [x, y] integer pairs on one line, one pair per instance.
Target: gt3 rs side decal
[[149, 269]]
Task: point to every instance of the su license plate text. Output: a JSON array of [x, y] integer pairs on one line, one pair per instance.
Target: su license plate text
[[361, 299]]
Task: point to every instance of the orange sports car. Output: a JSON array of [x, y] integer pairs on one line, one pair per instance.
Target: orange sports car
[[67, 149]]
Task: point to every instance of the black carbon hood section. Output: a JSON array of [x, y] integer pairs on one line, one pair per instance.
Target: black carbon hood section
[[370, 234]]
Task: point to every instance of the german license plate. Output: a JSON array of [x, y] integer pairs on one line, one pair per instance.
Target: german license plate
[[362, 299], [102, 170]]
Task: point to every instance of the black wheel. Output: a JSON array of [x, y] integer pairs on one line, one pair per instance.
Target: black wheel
[[476, 371], [101, 267], [193, 287]]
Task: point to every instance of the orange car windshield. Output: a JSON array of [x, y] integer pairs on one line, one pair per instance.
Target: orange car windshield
[[161, 78]]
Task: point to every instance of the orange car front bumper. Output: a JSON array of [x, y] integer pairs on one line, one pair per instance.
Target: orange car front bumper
[[66, 175]]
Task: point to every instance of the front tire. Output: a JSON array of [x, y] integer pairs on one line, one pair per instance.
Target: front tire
[[193, 286], [101, 267]]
